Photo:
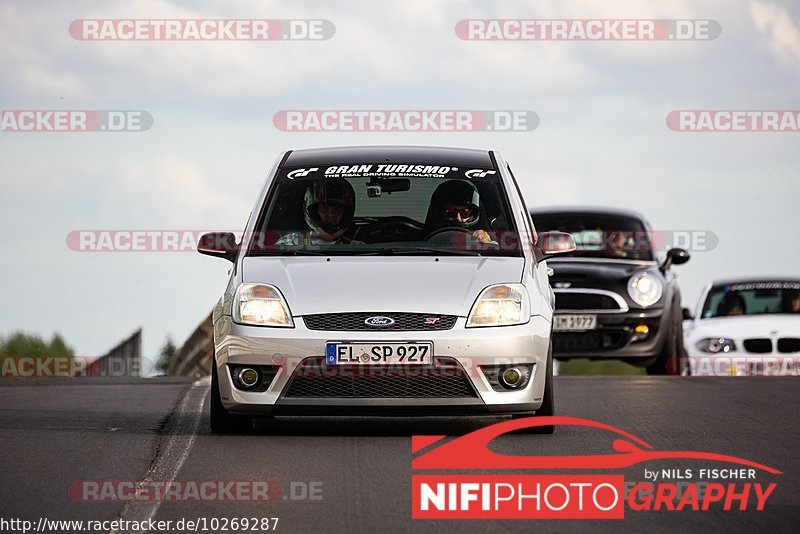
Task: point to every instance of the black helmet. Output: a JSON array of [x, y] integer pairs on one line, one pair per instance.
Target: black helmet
[[457, 193], [336, 192]]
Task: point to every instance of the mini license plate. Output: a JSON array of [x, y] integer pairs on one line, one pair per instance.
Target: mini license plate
[[407, 353], [566, 323]]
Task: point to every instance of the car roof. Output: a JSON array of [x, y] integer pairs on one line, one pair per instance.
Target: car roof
[[597, 210], [429, 155], [753, 279]]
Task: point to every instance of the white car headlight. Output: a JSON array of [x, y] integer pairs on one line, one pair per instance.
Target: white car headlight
[[500, 305], [261, 305], [715, 345], [644, 289]]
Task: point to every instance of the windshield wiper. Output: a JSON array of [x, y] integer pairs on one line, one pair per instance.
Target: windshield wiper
[[292, 253], [392, 251]]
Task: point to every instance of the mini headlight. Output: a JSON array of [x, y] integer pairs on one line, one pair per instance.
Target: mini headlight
[[500, 305], [261, 305], [715, 345], [644, 289]]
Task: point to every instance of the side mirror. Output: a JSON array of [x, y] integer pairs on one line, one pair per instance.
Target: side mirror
[[675, 256], [218, 244], [687, 314], [555, 243]]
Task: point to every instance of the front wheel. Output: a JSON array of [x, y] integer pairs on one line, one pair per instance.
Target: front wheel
[[221, 420], [548, 402], [669, 361]]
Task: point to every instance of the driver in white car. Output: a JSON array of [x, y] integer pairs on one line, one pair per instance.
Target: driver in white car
[[328, 208], [456, 204]]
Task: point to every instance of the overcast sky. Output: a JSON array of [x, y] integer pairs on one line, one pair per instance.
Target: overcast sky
[[602, 137]]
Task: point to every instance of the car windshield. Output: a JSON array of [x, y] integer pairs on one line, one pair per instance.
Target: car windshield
[[600, 236], [386, 209], [752, 298]]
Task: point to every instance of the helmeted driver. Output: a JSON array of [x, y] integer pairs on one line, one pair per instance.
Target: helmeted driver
[[328, 208], [456, 204]]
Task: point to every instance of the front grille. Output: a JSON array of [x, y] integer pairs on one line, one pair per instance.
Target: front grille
[[758, 345], [789, 344], [588, 341], [313, 378], [584, 301], [402, 321]]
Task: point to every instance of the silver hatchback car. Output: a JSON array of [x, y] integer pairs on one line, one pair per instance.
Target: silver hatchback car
[[386, 280]]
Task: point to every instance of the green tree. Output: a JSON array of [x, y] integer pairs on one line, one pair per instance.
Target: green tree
[[22, 344], [26, 346], [165, 355]]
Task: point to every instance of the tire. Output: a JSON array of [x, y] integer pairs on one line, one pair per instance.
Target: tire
[[548, 402], [669, 361], [220, 419]]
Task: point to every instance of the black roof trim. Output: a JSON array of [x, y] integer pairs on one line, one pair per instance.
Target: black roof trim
[[598, 210], [754, 279]]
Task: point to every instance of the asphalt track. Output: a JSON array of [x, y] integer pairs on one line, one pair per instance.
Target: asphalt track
[[54, 433]]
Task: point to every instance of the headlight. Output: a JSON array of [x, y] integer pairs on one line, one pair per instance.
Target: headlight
[[715, 345], [500, 305], [644, 289], [261, 305]]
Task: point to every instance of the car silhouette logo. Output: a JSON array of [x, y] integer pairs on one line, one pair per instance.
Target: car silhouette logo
[[379, 320], [298, 173], [471, 451]]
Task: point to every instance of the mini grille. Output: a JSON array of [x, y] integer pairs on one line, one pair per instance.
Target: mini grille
[[402, 321], [314, 379], [758, 345], [585, 301]]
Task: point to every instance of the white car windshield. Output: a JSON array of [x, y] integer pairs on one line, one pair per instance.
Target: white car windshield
[[752, 298], [387, 209]]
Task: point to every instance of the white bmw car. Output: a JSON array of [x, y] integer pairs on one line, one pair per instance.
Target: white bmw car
[[745, 327]]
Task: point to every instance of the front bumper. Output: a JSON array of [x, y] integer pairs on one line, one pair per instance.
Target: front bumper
[[291, 351], [614, 336]]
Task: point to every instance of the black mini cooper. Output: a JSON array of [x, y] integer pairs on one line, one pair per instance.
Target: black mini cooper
[[615, 296]]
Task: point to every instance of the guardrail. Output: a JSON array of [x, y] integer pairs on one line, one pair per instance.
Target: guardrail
[[195, 355], [123, 360]]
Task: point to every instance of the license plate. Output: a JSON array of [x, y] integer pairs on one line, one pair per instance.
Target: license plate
[[407, 353], [574, 322]]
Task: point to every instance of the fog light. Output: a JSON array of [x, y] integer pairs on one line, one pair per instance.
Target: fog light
[[640, 332], [248, 377], [511, 377]]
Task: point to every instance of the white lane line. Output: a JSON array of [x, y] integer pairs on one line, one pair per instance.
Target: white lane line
[[172, 452], [71, 428]]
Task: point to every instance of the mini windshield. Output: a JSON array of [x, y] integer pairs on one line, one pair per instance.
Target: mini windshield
[[600, 236], [752, 298], [386, 209]]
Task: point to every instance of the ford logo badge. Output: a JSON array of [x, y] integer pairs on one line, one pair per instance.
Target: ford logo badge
[[379, 320]]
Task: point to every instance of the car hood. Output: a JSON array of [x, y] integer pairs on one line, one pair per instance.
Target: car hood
[[743, 327], [447, 285], [608, 275], [587, 273]]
